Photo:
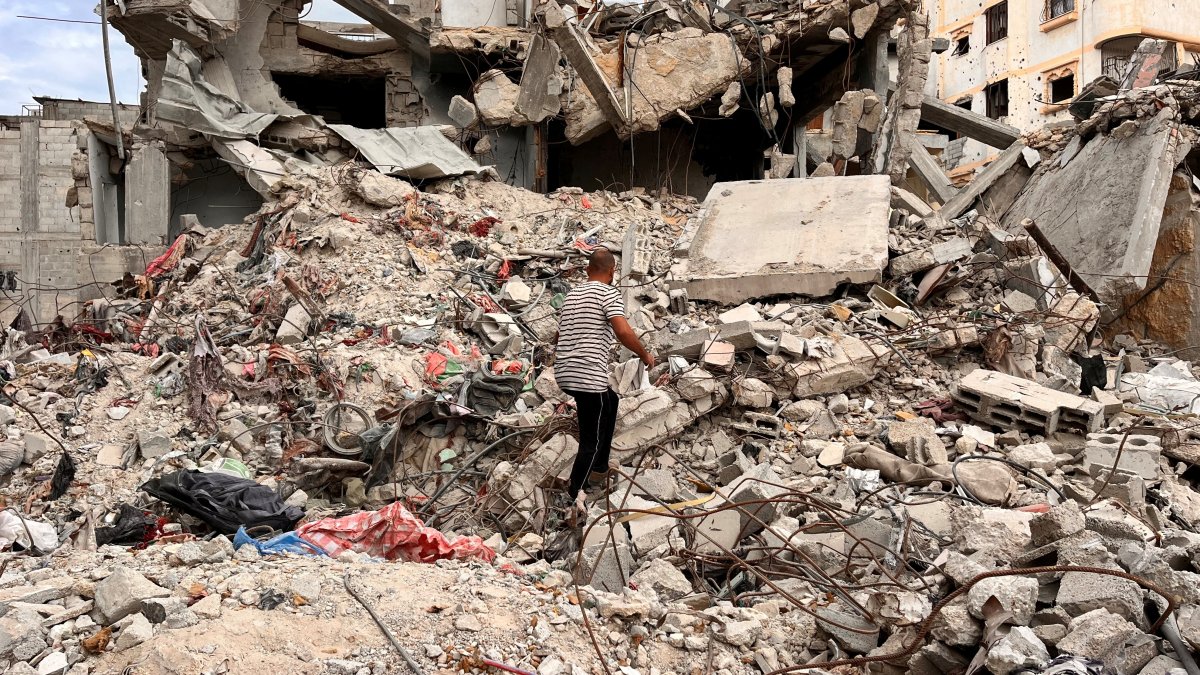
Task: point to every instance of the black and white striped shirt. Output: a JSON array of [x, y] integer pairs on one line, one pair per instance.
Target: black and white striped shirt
[[585, 338]]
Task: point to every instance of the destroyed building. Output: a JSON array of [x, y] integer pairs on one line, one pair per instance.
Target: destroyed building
[[1021, 63], [306, 419]]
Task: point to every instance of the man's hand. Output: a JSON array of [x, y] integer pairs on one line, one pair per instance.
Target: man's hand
[[624, 333]]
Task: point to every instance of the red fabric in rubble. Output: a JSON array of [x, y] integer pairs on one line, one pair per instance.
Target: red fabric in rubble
[[167, 261], [392, 533]]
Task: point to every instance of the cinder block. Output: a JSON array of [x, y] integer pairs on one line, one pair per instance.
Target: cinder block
[[1007, 401], [1139, 454]]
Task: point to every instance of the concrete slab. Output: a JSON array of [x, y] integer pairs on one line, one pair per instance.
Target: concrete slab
[[1103, 211], [792, 236]]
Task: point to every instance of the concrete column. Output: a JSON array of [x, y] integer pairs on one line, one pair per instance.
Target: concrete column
[[147, 195], [800, 149], [30, 159]]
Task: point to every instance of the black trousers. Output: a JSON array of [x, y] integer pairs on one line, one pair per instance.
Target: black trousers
[[597, 419]]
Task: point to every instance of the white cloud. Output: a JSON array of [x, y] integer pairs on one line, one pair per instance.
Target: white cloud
[[63, 60]]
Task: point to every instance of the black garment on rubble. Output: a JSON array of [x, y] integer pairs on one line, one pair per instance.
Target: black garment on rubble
[[224, 502]]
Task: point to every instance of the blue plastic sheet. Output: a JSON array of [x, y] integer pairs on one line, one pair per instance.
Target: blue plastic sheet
[[288, 542]]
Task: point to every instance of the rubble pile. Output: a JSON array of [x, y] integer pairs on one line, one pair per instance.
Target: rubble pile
[[883, 435]]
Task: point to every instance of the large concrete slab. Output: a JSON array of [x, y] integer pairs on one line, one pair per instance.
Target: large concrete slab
[[1104, 209], [796, 236]]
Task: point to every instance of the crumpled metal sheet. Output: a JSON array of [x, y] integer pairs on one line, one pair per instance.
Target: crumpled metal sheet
[[189, 100], [412, 152]]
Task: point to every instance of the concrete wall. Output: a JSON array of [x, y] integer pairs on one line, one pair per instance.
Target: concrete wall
[[471, 13], [60, 109], [1037, 52], [48, 243]]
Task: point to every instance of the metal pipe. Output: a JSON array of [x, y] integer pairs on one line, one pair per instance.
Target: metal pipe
[[112, 88]]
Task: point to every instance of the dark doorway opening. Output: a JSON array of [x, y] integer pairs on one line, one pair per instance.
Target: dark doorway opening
[[357, 101]]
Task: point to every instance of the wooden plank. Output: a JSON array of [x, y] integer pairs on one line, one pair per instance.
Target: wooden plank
[[970, 124]]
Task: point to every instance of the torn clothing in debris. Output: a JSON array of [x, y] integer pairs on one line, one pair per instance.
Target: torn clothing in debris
[[392, 533], [224, 502]]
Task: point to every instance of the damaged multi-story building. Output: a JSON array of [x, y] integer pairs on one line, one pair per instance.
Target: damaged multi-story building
[[670, 97], [1021, 63]]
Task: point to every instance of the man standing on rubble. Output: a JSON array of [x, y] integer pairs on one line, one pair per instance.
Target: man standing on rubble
[[592, 314]]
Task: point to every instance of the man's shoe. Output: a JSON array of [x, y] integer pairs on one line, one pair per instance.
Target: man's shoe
[[598, 478]]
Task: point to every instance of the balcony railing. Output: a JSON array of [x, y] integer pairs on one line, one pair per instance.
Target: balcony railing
[[1056, 8]]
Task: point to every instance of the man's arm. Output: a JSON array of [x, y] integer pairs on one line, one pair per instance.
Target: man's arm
[[625, 334]]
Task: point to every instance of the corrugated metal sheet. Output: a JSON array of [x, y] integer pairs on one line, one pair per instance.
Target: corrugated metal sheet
[[412, 152], [191, 102]]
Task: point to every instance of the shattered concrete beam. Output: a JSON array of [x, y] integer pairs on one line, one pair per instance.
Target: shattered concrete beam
[[568, 39], [962, 201], [405, 31], [1145, 64], [972, 125], [928, 170]]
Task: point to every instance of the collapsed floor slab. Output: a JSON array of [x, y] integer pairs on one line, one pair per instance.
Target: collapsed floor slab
[[809, 236]]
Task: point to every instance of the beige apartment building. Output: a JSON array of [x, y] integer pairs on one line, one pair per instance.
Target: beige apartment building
[[1020, 61]]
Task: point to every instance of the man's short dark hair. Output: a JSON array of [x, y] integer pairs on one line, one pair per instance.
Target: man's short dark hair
[[602, 260]]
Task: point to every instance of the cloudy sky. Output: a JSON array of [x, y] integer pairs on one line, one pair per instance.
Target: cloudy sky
[[66, 60]]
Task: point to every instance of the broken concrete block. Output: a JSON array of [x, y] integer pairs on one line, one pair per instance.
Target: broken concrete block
[[854, 642], [718, 531], [296, 324], [152, 444], [1007, 402], [731, 465], [743, 312], [54, 663], [237, 434], [496, 99], [654, 483], [1017, 595], [863, 19], [1082, 592], [1058, 523], [110, 455], [134, 633], [822, 233], [753, 393], [463, 112], [664, 579], [36, 446], [696, 384], [1139, 454], [787, 98], [917, 440], [1099, 635], [852, 363], [121, 593], [1035, 456], [903, 199], [605, 566], [1107, 232], [729, 100], [718, 355], [1021, 648], [956, 627], [740, 334], [760, 483], [689, 345]]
